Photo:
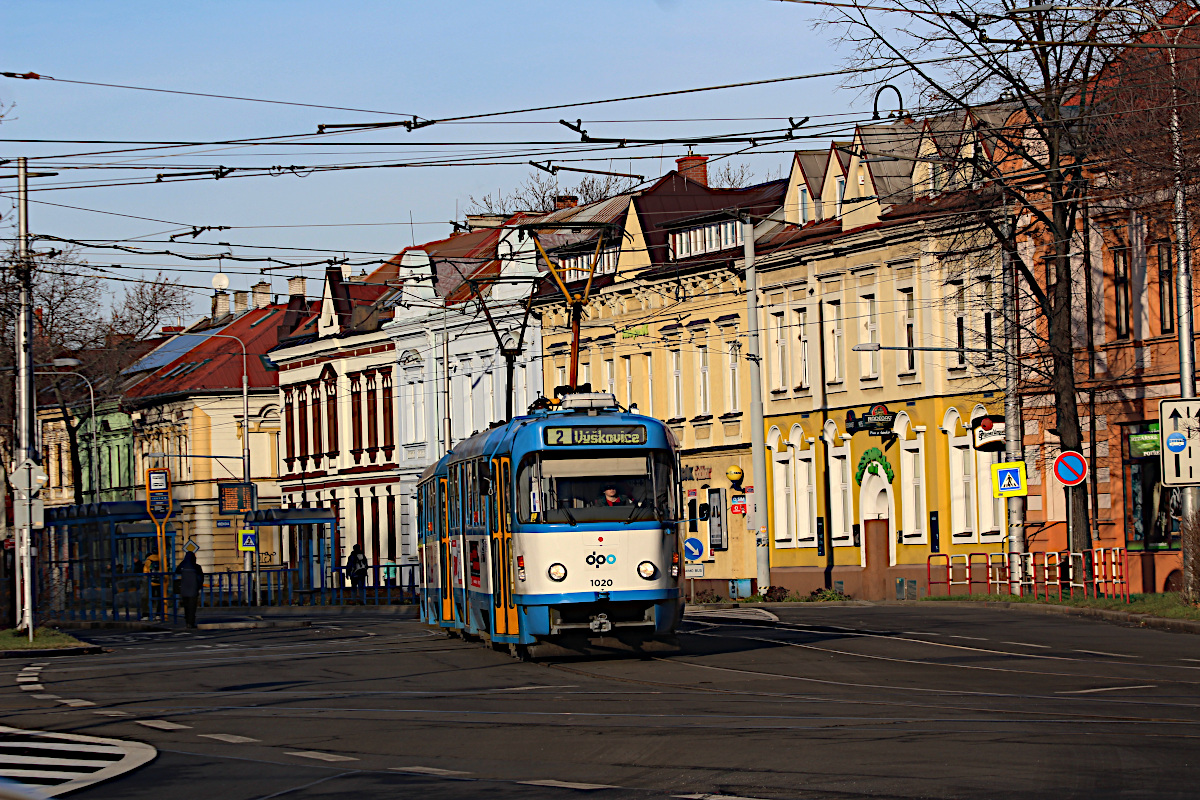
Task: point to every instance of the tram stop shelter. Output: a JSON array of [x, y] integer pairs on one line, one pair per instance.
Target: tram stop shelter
[[307, 538]]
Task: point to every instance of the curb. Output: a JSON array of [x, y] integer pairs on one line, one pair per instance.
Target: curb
[[131, 625], [412, 611], [55, 652], [1104, 614], [249, 624]]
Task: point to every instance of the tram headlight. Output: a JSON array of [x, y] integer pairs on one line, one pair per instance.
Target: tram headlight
[[647, 570], [557, 573]]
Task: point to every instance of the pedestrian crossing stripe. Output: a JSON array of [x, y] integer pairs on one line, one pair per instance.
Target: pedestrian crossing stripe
[[57, 763], [1008, 479]]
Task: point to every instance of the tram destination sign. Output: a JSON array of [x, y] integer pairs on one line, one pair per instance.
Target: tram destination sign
[[584, 435]]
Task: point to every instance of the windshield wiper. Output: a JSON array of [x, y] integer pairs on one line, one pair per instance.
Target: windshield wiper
[[570, 518], [632, 512]]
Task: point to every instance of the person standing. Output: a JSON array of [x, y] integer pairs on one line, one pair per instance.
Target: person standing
[[189, 580], [150, 566], [356, 567]]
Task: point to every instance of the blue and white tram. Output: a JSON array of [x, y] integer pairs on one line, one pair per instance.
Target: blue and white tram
[[560, 528]]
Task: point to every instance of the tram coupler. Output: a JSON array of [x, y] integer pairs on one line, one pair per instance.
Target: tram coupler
[[600, 623]]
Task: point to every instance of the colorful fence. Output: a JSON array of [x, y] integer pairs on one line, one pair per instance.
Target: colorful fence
[[1099, 572]]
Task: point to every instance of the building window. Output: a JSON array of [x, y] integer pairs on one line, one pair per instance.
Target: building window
[[841, 195], [414, 407], [705, 239], [560, 376], [650, 384], [781, 351], [803, 205], [389, 423], [289, 429], [962, 489], [836, 334], [802, 335], [1166, 287], [784, 500], [1121, 290], [610, 376], [676, 383], [702, 358], [355, 413], [869, 360], [912, 488], [989, 309], [331, 414], [316, 420], [908, 304], [301, 421], [960, 326], [806, 502], [585, 373], [372, 413], [735, 354], [627, 365], [991, 509], [391, 528]]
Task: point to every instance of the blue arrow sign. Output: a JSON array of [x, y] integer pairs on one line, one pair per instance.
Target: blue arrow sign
[[693, 549]]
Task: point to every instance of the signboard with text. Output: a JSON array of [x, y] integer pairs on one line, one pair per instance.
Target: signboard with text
[[235, 498], [158, 494]]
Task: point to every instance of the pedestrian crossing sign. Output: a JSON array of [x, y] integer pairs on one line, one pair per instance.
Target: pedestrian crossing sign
[[247, 540], [1009, 479]]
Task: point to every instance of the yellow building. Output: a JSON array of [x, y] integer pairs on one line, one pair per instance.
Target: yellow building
[[879, 457], [664, 330]]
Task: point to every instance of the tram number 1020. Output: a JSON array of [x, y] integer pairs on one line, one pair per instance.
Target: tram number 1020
[[602, 582]]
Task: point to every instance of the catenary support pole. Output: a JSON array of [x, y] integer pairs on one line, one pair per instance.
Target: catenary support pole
[[758, 444], [1013, 446], [24, 394]]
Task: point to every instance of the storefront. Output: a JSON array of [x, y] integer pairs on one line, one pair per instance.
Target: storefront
[[1152, 510]]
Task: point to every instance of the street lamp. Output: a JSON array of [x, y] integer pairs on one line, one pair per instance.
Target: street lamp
[[75, 362]]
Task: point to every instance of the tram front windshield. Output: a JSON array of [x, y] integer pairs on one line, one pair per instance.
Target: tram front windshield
[[596, 486]]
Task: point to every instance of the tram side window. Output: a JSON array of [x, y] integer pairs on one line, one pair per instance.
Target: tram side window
[[587, 486]]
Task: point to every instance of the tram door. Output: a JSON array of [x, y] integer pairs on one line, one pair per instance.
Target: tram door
[[444, 565], [503, 608]]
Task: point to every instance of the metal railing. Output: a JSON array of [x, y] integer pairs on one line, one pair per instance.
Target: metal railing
[[1099, 572]]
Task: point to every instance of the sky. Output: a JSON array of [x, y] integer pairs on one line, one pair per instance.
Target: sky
[[432, 60]]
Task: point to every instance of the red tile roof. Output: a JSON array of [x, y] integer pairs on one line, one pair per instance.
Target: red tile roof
[[215, 364]]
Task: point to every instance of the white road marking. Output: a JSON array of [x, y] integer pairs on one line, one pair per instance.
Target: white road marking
[[1110, 689], [429, 771], [1196, 660], [77, 703], [584, 787], [45, 696], [229, 737], [161, 724], [1102, 653], [321, 756], [712, 797], [32, 687], [920, 633], [28, 679], [733, 613], [108, 713], [1028, 644], [968, 638], [91, 759]]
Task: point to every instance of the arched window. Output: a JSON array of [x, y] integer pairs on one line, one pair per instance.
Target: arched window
[[961, 477]]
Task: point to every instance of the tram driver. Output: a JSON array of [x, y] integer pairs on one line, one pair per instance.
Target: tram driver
[[613, 496]]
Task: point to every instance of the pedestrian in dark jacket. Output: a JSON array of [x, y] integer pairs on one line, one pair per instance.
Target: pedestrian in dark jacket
[[189, 579], [356, 567]]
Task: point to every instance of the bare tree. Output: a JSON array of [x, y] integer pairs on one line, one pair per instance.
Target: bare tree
[[731, 176], [539, 191], [1034, 152]]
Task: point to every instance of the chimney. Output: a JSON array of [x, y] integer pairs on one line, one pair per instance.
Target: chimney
[[220, 305], [260, 294], [296, 287], [241, 302], [565, 201], [694, 167]]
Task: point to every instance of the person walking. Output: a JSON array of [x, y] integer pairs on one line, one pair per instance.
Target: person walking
[[150, 565], [189, 579], [356, 567]]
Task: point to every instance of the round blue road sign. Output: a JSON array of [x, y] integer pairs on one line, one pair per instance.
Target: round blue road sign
[[1070, 468], [693, 549], [1176, 442]]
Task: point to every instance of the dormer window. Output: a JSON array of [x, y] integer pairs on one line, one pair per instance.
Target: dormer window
[[575, 268], [803, 205], [841, 195], [710, 238]]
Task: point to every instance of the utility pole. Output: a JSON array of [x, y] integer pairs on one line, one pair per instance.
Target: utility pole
[[1013, 429], [446, 375], [758, 444], [25, 396]]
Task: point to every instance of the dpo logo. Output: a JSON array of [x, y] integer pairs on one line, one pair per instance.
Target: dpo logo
[[598, 560]]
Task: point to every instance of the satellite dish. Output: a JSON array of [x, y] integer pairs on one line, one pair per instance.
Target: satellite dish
[[220, 281]]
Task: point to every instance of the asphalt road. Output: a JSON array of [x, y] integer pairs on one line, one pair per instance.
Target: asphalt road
[[826, 702]]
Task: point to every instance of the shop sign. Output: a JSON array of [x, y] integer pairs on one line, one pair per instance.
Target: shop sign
[[697, 472], [876, 421], [1145, 444], [635, 331], [737, 504], [988, 433]]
